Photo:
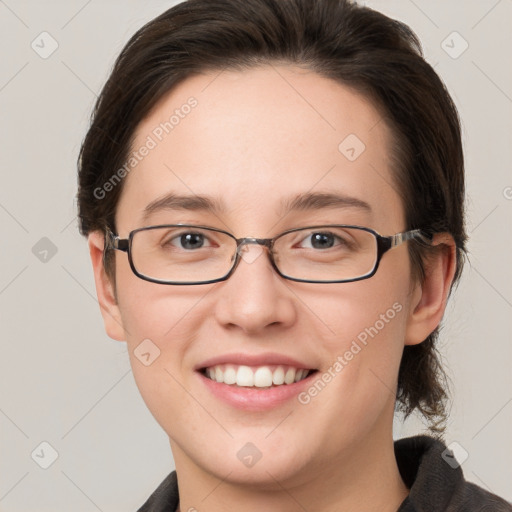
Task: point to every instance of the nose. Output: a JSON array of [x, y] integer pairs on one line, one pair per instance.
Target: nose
[[255, 296]]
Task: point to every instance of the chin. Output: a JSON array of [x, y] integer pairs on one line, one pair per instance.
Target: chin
[[265, 475]]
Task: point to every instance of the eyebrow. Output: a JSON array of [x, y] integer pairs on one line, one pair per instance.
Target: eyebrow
[[308, 201], [322, 200], [182, 202]]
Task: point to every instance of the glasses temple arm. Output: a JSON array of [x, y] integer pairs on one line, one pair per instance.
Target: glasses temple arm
[[114, 242], [415, 234]]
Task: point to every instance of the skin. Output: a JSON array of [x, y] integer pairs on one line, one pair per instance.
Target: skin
[[253, 140]]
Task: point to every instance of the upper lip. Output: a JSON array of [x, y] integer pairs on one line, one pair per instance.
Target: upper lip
[[264, 359]]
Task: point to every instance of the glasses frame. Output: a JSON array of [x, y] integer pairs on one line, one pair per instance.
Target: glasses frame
[[384, 244]]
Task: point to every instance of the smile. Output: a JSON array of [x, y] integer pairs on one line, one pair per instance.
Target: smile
[[256, 376]]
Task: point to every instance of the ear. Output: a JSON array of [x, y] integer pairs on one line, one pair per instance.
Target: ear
[[429, 298], [105, 289]]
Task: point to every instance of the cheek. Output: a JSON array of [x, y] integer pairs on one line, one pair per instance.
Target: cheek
[[157, 342], [366, 324], [362, 311], [151, 310], [369, 340], [355, 391], [161, 324]]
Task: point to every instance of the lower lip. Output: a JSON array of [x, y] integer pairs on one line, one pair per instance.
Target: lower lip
[[255, 399]]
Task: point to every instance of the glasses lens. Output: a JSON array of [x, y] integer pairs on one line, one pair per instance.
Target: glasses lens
[[182, 254], [190, 254], [326, 253]]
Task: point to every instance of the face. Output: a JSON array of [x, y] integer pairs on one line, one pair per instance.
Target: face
[[254, 140]]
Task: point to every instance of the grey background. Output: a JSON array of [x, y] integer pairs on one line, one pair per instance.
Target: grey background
[[64, 382]]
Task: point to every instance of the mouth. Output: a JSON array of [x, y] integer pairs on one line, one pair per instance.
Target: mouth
[[259, 377], [255, 382]]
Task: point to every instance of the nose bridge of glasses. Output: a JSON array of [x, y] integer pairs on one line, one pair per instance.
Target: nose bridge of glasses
[[264, 242]]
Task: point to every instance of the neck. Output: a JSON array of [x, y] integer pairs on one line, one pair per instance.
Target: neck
[[362, 479]]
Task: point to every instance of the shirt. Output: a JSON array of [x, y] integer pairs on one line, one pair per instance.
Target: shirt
[[434, 479]]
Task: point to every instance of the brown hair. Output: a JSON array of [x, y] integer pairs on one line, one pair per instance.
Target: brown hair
[[379, 57]]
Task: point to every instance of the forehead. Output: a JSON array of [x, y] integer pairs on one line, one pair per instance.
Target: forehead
[[253, 138]]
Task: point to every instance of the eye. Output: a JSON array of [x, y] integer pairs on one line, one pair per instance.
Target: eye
[[188, 241], [322, 240]]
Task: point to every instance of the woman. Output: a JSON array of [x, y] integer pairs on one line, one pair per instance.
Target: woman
[[273, 196]]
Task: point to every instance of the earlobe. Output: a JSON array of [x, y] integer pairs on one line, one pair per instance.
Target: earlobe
[[429, 298], [105, 289]]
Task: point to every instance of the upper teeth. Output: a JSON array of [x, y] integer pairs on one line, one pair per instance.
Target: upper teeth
[[260, 376]]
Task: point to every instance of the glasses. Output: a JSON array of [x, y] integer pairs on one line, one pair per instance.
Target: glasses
[[186, 254]]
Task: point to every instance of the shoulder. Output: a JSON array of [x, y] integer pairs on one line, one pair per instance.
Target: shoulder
[[472, 497], [165, 498], [436, 481]]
